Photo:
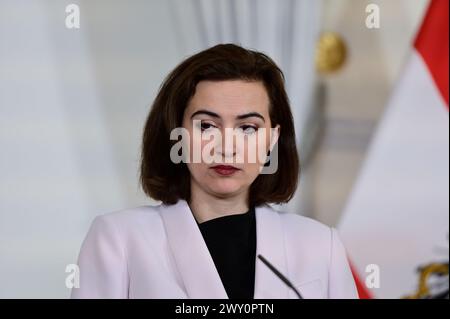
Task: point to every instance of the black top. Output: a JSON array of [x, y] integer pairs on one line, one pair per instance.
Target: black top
[[231, 241]]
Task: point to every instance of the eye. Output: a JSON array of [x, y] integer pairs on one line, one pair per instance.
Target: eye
[[249, 129], [206, 126]]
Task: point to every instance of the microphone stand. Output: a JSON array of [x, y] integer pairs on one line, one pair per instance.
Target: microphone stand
[[280, 275]]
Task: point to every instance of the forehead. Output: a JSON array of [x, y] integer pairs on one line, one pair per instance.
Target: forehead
[[230, 97]]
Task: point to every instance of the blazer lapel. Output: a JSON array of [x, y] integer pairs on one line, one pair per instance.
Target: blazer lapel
[[270, 244], [192, 257], [196, 266]]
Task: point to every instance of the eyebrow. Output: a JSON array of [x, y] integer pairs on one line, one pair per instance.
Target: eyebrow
[[239, 117], [251, 114]]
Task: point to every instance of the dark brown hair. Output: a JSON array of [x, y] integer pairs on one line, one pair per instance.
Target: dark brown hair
[[163, 180]]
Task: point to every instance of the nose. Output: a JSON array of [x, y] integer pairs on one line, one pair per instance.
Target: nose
[[228, 148]]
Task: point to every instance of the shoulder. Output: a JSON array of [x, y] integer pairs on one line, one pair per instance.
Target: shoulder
[[301, 225], [317, 249], [130, 214], [129, 219], [304, 231]]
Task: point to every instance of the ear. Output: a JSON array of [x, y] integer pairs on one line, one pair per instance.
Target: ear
[[274, 135]]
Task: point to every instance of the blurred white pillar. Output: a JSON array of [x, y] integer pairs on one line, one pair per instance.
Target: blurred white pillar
[[56, 168]]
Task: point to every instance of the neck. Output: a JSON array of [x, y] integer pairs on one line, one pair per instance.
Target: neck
[[206, 206]]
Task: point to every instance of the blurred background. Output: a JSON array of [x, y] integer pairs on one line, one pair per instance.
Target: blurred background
[[73, 104]]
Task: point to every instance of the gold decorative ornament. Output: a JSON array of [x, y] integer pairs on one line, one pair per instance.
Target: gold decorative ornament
[[426, 274], [331, 53]]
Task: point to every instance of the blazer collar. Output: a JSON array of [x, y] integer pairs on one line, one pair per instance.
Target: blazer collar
[[196, 266]]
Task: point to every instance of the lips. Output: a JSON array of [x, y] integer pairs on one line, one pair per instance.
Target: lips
[[225, 170]]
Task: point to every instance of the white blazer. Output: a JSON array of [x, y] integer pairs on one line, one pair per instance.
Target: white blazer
[[159, 252]]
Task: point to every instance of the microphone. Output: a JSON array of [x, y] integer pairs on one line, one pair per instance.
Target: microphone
[[280, 275]]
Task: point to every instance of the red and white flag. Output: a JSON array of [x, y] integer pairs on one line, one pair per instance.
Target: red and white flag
[[397, 217]]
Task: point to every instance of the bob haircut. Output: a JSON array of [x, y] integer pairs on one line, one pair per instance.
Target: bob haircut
[[163, 180]]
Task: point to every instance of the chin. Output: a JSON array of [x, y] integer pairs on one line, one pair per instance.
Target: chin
[[224, 189]]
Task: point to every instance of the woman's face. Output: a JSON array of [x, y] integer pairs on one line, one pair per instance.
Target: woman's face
[[230, 116]]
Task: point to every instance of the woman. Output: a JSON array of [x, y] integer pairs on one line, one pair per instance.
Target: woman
[[206, 238]]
